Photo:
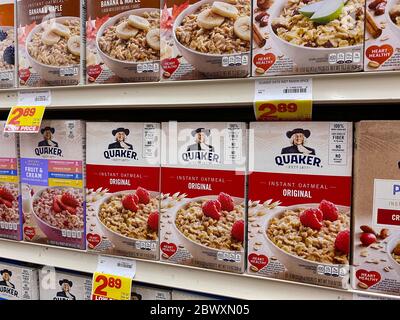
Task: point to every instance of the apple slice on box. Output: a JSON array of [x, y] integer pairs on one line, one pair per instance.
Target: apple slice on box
[[330, 10], [310, 9]]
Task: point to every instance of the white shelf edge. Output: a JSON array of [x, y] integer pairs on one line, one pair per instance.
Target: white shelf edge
[[241, 286], [355, 88]]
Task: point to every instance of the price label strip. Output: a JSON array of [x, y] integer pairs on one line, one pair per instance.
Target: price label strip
[[27, 115], [283, 99], [113, 278]]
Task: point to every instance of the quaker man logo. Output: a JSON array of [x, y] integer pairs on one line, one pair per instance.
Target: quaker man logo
[[65, 293], [200, 150], [298, 153], [48, 146], [120, 148], [6, 286]]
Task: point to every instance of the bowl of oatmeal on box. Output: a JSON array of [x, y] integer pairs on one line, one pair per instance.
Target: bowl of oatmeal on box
[[210, 224], [310, 31], [129, 215], [58, 210], [304, 235], [393, 251], [392, 13], [54, 46], [209, 30], [7, 48], [9, 210], [129, 39]]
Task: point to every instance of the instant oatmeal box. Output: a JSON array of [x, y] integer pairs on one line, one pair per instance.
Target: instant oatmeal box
[[49, 42], [205, 39], [376, 207], [382, 36], [10, 220], [18, 281], [52, 184], [307, 36], [123, 41], [123, 181], [7, 44], [299, 201], [203, 210], [58, 284]]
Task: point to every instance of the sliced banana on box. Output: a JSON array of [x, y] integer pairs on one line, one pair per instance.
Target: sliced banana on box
[[209, 20], [74, 45], [49, 38], [225, 9], [165, 50], [90, 58], [242, 27], [60, 29], [125, 31], [153, 39], [138, 22]]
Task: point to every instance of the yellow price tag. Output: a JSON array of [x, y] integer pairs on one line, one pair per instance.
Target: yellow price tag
[[24, 119], [283, 110], [111, 287]]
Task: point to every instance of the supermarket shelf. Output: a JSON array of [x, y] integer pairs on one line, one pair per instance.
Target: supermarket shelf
[[354, 88], [180, 277]]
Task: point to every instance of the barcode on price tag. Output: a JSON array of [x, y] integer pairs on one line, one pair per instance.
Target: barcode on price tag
[[283, 99]]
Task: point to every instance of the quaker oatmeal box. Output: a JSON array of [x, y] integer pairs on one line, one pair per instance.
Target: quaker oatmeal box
[[123, 181], [7, 44], [123, 39], [299, 201], [382, 37], [49, 42], [56, 284], [307, 36], [203, 210], [52, 184], [205, 39], [10, 220], [376, 207], [18, 282]]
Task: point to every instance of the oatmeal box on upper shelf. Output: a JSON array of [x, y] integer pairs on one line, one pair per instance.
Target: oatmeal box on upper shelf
[[123, 181], [203, 211], [299, 201], [52, 184], [307, 36], [382, 36], [376, 207], [10, 220], [7, 44], [123, 41], [205, 39], [50, 42]]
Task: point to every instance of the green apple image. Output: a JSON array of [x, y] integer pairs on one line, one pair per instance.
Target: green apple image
[[328, 11], [309, 9]]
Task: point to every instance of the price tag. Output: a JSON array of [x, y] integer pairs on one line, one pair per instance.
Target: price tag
[[113, 278], [24, 119], [111, 287], [283, 99], [34, 98]]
